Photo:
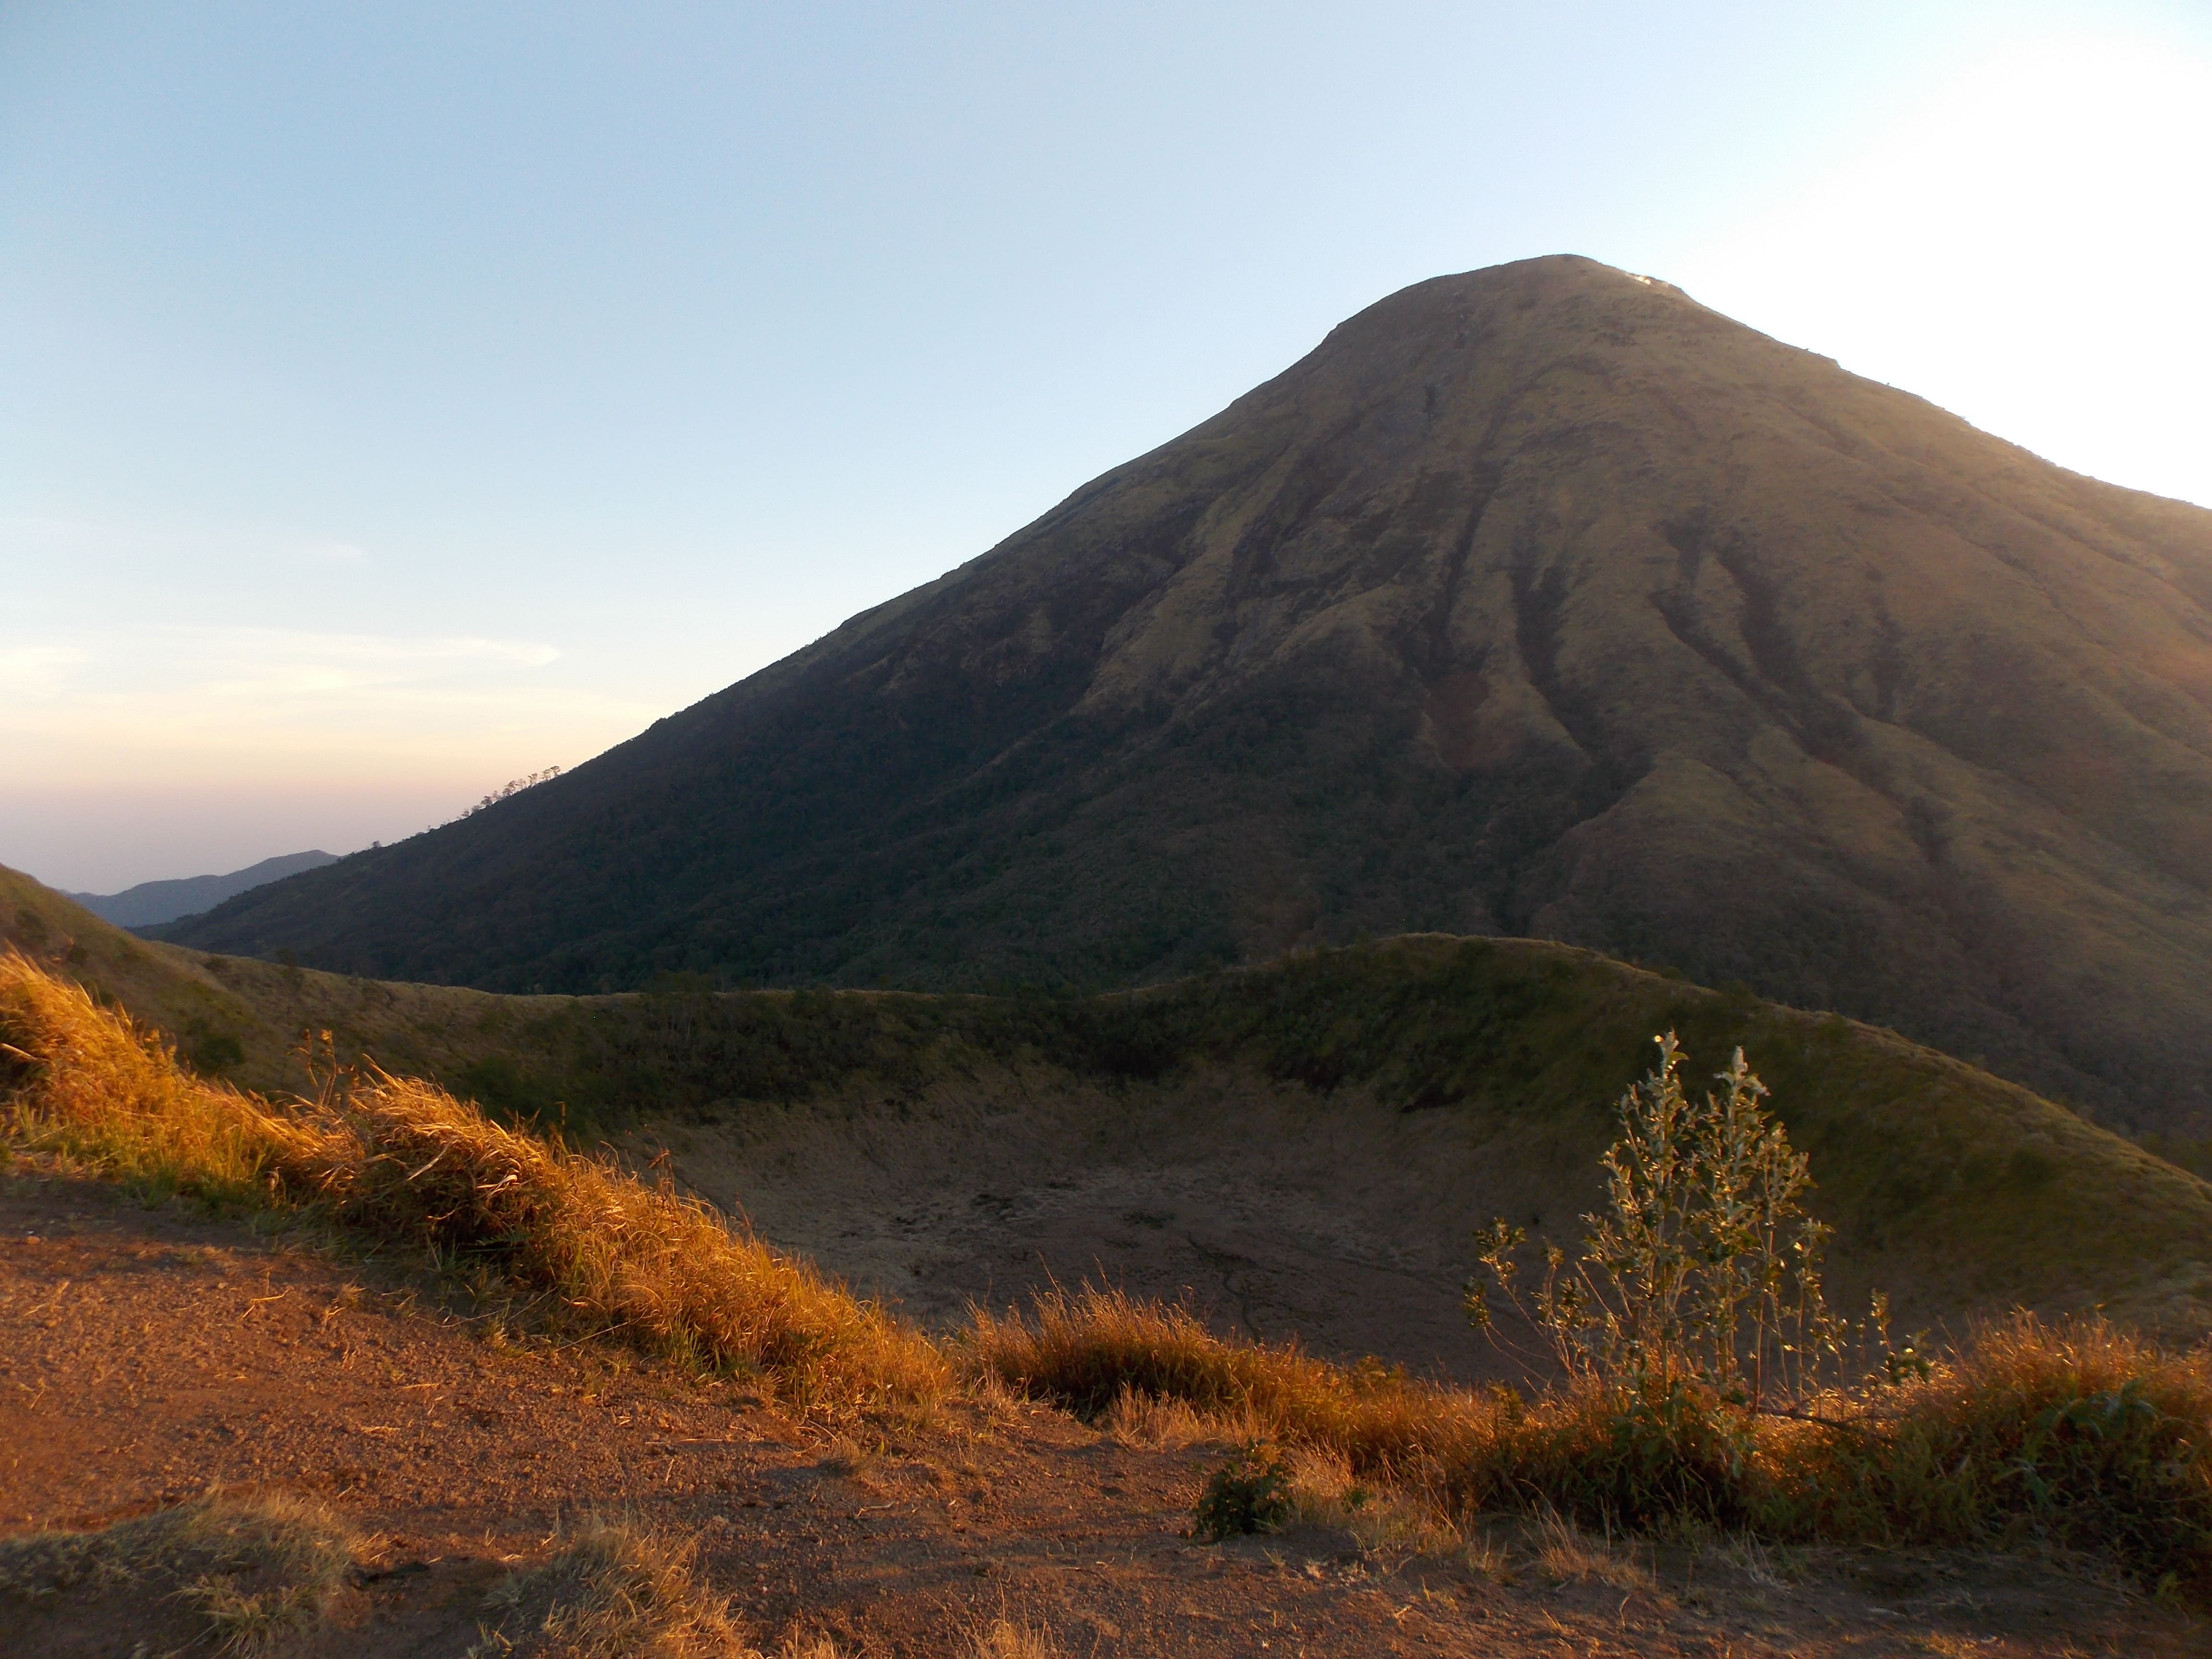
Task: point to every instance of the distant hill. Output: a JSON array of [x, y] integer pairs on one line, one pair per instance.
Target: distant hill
[[152, 902], [1366, 1105], [1539, 601]]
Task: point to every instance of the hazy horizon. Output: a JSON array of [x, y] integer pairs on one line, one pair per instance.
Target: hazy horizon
[[402, 404]]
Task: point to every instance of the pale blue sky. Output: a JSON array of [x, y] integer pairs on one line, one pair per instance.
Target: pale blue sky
[[395, 400]]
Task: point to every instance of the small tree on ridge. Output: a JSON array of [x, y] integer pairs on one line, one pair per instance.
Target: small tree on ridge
[[1703, 1270]]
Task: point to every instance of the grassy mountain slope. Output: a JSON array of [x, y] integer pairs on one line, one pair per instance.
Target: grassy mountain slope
[[1540, 601], [1476, 1074]]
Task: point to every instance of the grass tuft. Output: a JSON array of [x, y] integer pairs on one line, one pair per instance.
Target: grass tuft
[[1009, 1638], [401, 1160], [253, 1571], [1566, 1554], [86, 1081], [1085, 1349], [610, 1592], [1154, 1424], [666, 1271], [2081, 1433]]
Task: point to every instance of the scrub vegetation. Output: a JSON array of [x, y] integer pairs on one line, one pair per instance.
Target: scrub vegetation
[[2079, 1433]]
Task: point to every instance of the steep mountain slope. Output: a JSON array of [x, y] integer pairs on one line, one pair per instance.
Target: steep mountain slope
[[152, 902], [1541, 601]]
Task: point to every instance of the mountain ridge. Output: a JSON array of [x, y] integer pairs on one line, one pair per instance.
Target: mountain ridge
[[148, 903], [1304, 1119], [1540, 600]]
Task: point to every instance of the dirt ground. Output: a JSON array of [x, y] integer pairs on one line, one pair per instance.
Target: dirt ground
[[154, 1353], [1340, 1221]]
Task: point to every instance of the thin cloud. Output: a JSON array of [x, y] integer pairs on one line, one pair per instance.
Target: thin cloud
[[254, 703], [32, 534], [37, 671]]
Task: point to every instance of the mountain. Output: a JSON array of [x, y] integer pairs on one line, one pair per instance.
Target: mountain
[[152, 902], [1539, 601]]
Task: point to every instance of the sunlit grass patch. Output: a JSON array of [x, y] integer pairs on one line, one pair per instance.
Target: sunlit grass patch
[[1162, 1423], [399, 1160], [1087, 1349], [86, 1082], [1007, 1637], [2076, 1433], [664, 1271]]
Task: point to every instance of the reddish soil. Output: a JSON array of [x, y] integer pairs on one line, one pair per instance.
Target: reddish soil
[[152, 1353]]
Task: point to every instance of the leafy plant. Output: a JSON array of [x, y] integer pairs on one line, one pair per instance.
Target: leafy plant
[[1248, 1493], [1705, 1272]]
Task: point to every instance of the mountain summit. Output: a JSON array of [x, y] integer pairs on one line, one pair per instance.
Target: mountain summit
[[1540, 600]]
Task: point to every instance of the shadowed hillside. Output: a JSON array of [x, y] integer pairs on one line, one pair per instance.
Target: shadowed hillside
[[1540, 601], [1305, 1146], [150, 903]]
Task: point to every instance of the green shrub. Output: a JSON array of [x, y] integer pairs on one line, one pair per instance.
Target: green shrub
[[1249, 1493], [1704, 1275], [2081, 1433], [1619, 1455], [210, 1052]]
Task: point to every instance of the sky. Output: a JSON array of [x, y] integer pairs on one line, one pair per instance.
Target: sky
[[396, 400]]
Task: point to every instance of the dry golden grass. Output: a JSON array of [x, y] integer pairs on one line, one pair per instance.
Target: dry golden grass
[[1382, 1519], [1769, 1566], [84, 1080], [2080, 1434], [1486, 1558], [667, 1271], [254, 1570], [1087, 1349], [1565, 1554], [403, 1160], [1006, 1637], [1108, 1357], [1157, 1423], [610, 1591]]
